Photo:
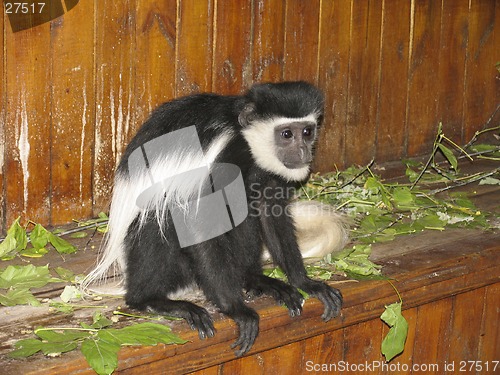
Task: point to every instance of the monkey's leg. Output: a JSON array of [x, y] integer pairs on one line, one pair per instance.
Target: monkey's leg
[[157, 268], [279, 237], [224, 289], [230, 302]]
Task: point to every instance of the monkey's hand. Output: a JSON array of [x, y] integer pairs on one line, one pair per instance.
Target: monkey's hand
[[331, 297], [248, 324]]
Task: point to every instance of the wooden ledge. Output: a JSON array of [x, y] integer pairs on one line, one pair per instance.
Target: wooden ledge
[[425, 268]]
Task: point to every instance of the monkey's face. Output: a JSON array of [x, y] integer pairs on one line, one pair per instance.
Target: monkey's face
[[294, 143], [283, 146]]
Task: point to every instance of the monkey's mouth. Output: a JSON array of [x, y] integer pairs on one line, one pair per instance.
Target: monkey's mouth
[[296, 165]]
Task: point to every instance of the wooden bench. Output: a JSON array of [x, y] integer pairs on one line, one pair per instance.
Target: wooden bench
[[449, 282]]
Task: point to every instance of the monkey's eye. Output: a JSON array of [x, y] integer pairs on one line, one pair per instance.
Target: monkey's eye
[[307, 132], [287, 133]]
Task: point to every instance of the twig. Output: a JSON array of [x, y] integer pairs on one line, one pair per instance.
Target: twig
[[360, 173], [478, 133], [463, 183]]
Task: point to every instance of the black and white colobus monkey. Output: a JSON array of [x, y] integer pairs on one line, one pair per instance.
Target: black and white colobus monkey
[[269, 133]]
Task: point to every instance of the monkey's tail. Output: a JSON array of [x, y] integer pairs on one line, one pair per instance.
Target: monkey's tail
[[320, 228]]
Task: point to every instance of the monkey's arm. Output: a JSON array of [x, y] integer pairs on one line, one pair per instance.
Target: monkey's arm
[[280, 239]]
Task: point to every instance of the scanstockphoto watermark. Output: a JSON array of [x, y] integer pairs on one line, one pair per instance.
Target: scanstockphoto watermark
[[205, 199], [27, 14], [262, 198], [369, 367], [397, 367]]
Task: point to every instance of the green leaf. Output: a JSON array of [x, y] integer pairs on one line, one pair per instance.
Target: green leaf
[[25, 277], [18, 297], [489, 181], [403, 197], [81, 234], [356, 261], [65, 274], [26, 348], [431, 221], [275, 273], [448, 154], [39, 237], [101, 355], [100, 321], [394, 343], [62, 246], [32, 252], [491, 149], [141, 334], [62, 307], [55, 348], [54, 336], [16, 240], [71, 292]]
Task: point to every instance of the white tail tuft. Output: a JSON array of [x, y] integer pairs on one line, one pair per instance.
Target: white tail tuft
[[320, 229]]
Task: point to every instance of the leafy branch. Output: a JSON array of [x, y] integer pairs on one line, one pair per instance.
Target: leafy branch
[[98, 342]]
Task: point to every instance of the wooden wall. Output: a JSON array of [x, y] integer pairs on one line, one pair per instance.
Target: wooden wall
[[75, 89]]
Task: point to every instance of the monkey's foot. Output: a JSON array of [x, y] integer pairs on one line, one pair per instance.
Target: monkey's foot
[[248, 324], [197, 317], [331, 297], [283, 293]]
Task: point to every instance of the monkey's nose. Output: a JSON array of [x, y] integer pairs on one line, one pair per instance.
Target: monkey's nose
[[304, 155]]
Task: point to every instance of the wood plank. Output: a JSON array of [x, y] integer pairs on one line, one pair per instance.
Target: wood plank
[[362, 344], [155, 60], [324, 349], [391, 121], [482, 94], [282, 360], [268, 40], [435, 270], [72, 134], [422, 100], [3, 112], [114, 38], [433, 333], [216, 370], [363, 301], [489, 337], [465, 326], [232, 67], [194, 46], [247, 365], [364, 76], [451, 76], [333, 59], [301, 40], [27, 124]]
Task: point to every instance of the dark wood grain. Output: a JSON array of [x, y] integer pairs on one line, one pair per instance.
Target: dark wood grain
[[27, 142], [422, 95], [194, 46], [72, 131], [335, 26], [232, 66], [364, 78], [390, 73]]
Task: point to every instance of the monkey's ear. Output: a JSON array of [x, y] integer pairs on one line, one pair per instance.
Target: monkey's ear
[[247, 115]]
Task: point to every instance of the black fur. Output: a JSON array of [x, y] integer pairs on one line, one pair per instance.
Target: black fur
[[227, 265]]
